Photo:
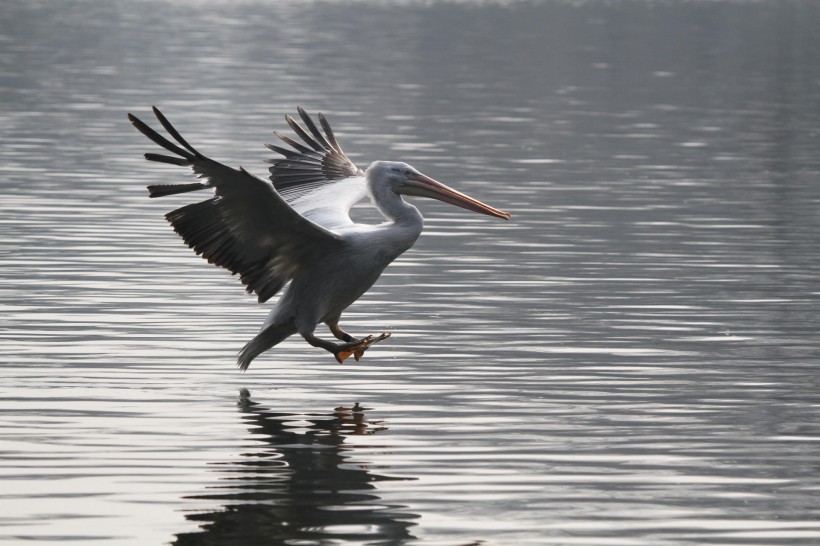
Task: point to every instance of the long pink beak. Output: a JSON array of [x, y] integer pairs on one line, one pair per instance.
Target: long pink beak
[[424, 186]]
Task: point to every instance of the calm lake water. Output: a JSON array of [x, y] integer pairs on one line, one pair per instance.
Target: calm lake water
[[633, 359]]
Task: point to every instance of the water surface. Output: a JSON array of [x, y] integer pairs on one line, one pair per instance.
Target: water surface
[[631, 360]]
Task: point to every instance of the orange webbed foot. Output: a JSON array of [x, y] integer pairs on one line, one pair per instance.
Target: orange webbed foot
[[357, 348], [369, 341]]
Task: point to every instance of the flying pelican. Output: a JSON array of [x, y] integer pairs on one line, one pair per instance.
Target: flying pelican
[[298, 228]]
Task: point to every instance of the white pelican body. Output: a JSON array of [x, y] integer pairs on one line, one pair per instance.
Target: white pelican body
[[298, 228]]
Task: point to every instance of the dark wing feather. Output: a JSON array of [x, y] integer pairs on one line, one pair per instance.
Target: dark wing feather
[[306, 169], [247, 228]]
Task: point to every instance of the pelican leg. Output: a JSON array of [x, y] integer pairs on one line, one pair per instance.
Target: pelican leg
[[344, 350], [338, 333], [340, 350]]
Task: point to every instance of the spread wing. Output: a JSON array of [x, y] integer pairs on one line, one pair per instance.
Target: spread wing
[[315, 176], [246, 227]]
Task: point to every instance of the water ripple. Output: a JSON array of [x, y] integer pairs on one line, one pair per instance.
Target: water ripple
[[631, 360]]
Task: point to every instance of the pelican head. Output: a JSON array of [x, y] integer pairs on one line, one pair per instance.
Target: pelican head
[[404, 179]]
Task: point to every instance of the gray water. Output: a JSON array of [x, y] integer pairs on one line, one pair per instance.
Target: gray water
[[633, 359]]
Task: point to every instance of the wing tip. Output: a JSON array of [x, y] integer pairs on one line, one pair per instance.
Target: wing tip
[[331, 163], [187, 151]]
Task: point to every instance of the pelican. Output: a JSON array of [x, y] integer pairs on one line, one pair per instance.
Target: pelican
[[297, 229]]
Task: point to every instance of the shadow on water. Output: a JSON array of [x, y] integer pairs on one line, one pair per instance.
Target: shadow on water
[[301, 487]]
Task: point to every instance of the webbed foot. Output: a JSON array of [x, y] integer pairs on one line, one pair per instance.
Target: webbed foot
[[357, 348]]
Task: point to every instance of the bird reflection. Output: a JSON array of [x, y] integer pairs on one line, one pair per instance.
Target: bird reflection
[[300, 488]]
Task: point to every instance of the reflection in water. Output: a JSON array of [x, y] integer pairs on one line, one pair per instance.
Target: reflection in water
[[633, 360], [300, 488]]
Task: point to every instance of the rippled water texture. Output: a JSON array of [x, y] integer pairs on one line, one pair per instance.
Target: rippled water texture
[[631, 360]]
